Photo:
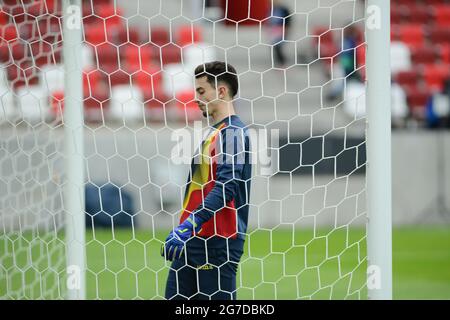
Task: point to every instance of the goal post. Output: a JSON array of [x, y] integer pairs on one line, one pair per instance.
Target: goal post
[[73, 120], [379, 226]]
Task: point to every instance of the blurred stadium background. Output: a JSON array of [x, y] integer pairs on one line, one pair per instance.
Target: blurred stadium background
[[141, 54]]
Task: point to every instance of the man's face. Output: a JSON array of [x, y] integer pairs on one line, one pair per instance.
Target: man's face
[[205, 96]]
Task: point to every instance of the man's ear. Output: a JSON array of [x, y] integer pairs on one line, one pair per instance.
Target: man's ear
[[222, 92]]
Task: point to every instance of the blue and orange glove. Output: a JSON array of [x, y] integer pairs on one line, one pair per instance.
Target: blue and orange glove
[[173, 248]]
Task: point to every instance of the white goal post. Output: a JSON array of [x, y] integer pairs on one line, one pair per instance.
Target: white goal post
[[379, 190]]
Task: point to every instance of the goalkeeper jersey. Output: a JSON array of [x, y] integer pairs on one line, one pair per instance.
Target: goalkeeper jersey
[[218, 184]]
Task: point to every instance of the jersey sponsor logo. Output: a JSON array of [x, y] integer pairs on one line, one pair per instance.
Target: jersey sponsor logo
[[205, 267]]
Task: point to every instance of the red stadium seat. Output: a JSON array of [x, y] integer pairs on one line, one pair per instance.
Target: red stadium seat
[[404, 2], [445, 54], [92, 78], [185, 103], [425, 55], [159, 36], [112, 15], [9, 32], [107, 57], [4, 18], [128, 35], [46, 53], [119, 77], [435, 75], [24, 74], [135, 56], [418, 14], [407, 78], [442, 14], [188, 34], [397, 14], [19, 51], [323, 35], [412, 34], [417, 97], [96, 104], [95, 35], [170, 54], [149, 80], [4, 51], [327, 51], [57, 103], [440, 35], [36, 9]]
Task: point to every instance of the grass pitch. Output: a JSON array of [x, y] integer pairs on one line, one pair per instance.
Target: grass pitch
[[277, 264]]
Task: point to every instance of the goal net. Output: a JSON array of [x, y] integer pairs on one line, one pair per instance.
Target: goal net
[[301, 73]]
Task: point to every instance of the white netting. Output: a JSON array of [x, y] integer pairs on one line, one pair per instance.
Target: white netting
[[306, 232]]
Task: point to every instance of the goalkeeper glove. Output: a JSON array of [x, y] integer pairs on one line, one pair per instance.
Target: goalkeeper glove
[[175, 241]]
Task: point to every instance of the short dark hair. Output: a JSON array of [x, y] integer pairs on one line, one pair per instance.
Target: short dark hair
[[221, 71]]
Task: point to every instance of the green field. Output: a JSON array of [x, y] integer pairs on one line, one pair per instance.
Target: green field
[[277, 264]]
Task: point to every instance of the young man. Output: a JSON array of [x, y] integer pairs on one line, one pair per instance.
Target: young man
[[206, 247]]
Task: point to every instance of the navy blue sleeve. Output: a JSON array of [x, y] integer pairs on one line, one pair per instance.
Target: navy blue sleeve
[[230, 161]]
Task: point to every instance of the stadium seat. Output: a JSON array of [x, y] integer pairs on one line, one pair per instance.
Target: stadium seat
[[442, 14], [4, 18], [418, 14], [112, 15], [435, 75], [445, 53], [48, 29], [440, 35], [412, 35], [188, 34], [23, 74], [170, 54], [128, 35], [8, 110], [44, 53], [323, 35], [51, 77], [57, 103], [9, 32], [4, 51], [135, 56], [107, 57], [417, 99], [87, 54], [355, 102], [19, 51], [400, 57], [36, 9], [397, 14], [177, 78], [404, 2], [198, 54], [93, 79], [119, 77], [32, 103], [159, 36], [95, 35], [407, 78], [126, 103], [425, 55], [96, 105], [186, 106], [150, 80]]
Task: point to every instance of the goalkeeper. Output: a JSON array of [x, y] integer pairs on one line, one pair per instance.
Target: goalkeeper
[[206, 247]]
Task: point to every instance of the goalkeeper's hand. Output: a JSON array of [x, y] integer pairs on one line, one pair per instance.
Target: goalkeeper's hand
[[173, 248]]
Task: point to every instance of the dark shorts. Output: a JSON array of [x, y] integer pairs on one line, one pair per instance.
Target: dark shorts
[[204, 274]]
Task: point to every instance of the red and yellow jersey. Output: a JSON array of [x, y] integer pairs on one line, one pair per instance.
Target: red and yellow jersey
[[219, 181]]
